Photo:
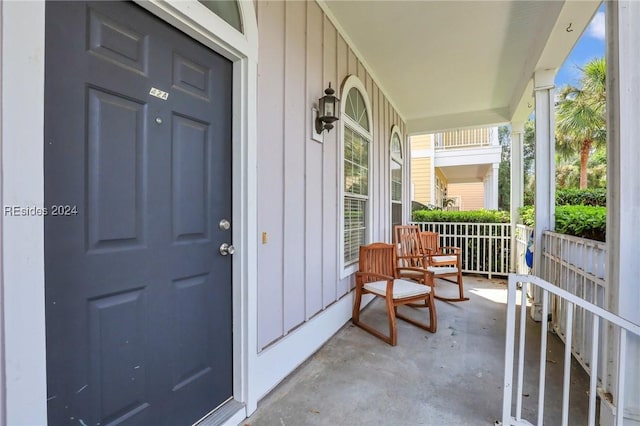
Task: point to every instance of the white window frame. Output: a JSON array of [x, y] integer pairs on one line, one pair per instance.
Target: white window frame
[[349, 83], [395, 130]]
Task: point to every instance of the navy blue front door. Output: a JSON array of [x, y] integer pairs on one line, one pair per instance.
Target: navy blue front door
[[137, 178]]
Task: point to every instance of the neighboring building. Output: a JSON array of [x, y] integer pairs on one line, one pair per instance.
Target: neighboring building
[[459, 167]]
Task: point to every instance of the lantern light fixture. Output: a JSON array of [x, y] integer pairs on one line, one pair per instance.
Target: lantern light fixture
[[328, 105]]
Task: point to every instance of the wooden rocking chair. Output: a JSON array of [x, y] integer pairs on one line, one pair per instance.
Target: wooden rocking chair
[[443, 262], [378, 275], [421, 250]]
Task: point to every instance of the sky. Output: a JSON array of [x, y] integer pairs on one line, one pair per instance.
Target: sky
[[591, 45]]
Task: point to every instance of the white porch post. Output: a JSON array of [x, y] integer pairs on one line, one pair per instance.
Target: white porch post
[[487, 190], [494, 187], [623, 203], [407, 185], [543, 81], [517, 184]]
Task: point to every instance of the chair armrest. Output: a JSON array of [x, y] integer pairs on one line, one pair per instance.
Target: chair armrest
[[428, 276], [376, 277]]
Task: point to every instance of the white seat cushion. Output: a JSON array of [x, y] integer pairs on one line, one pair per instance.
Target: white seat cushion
[[439, 258], [439, 270], [401, 288]]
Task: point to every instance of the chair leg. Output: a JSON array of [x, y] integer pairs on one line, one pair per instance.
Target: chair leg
[[393, 328], [355, 318], [428, 303], [461, 285], [433, 318]]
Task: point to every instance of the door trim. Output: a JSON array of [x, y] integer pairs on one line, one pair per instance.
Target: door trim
[[23, 44]]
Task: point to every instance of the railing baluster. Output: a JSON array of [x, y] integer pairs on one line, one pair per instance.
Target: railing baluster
[[567, 366], [622, 367], [593, 380], [543, 356], [507, 389], [523, 328]]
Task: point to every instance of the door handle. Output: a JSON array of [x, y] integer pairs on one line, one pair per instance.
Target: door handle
[[227, 249]]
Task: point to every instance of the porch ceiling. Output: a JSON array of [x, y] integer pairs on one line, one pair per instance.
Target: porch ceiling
[[463, 174], [452, 64]]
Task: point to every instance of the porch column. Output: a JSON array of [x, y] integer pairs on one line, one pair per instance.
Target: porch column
[[494, 187], [487, 190], [623, 203], [543, 81], [517, 184]]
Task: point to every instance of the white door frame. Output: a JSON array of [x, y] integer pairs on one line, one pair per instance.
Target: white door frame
[[23, 305]]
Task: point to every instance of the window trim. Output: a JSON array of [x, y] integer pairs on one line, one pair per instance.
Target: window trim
[[349, 83], [395, 130]]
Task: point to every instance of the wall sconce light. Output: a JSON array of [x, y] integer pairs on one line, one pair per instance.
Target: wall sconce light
[[328, 106]]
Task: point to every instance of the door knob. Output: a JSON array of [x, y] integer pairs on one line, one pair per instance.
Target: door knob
[[226, 249]]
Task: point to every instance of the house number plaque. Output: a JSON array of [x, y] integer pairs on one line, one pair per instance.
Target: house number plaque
[[159, 93]]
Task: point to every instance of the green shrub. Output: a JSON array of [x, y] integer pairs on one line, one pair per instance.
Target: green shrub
[[476, 216], [526, 214], [587, 197], [581, 221]]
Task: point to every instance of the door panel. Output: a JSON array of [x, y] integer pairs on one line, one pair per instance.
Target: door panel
[[138, 139]]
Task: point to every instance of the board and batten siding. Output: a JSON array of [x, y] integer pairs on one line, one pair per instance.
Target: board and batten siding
[[298, 184]]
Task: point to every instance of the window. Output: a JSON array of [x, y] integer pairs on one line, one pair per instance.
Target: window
[[396, 178], [356, 141], [356, 192], [229, 10]]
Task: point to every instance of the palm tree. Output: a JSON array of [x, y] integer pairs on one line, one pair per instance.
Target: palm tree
[[580, 116]]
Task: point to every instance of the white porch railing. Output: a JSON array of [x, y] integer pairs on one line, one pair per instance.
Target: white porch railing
[[576, 265], [522, 236], [599, 319], [485, 246]]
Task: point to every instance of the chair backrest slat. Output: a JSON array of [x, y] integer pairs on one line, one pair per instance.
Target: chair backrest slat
[[409, 245], [430, 241], [378, 258]]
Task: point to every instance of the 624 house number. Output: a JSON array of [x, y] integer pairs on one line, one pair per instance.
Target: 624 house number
[[63, 210]]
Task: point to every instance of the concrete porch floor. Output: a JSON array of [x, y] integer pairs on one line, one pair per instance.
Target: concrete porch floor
[[452, 377]]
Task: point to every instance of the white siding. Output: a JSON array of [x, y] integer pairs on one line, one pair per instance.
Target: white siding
[[298, 185], [271, 163]]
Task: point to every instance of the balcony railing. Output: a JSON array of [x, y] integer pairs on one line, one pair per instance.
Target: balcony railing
[[466, 138]]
